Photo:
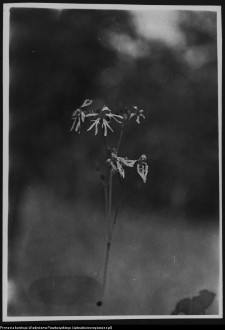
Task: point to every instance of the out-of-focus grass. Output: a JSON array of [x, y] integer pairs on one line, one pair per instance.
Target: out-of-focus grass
[[154, 262]]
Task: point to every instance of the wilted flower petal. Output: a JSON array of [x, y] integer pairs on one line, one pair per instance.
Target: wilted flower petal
[[114, 168], [77, 123], [114, 117], [82, 116], [86, 103], [105, 124], [105, 108], [120, 169], [142, 168], [118, 163], [78, 115], [95, 123], [92, 114], [127, 162]]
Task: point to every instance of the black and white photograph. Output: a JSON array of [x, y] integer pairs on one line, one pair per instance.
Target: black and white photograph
[[111, 162]]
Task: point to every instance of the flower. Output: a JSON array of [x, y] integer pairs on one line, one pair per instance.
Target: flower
[[142, 167], [78, 116], [104, 116], [138, 114], [118, 163]]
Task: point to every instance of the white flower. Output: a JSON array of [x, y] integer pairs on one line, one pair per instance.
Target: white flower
[[138, 114], [142, 168], [118, 163], [104, 115], [78, 116]]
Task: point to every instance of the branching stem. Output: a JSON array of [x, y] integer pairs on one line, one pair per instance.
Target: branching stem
[[108, 202]]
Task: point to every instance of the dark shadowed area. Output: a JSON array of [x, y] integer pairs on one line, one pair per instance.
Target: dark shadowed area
[[166, 241]]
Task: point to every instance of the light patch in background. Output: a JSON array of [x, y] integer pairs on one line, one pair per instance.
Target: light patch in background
[[159, 25], [124, 44], [198, 56], [12, 292]]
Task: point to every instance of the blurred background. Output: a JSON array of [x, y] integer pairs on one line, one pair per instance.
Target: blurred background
[[164, 62]]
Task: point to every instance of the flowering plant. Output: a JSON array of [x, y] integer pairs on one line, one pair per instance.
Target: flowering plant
[[102, 119]]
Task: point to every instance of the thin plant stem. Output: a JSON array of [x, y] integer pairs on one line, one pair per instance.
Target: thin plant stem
[[120, 138], [106, 197], [109, 203], [116, 213], [105, 142], [110, 236], [110, 193]]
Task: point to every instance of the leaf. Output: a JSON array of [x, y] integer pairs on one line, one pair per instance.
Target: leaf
[[196, 305], [65, 290]]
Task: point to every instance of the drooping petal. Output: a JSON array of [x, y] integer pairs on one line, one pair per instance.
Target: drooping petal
[[92, 125], [131, 115], [75, 113], [74, 122], [78, 125], [86, 103], [96, 128], [82, 116], [127, 162], [120, 169], [113, 166], [105, 124], [95, 123], [143, 170], [92, 114], [114, 117], [105, 108]]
